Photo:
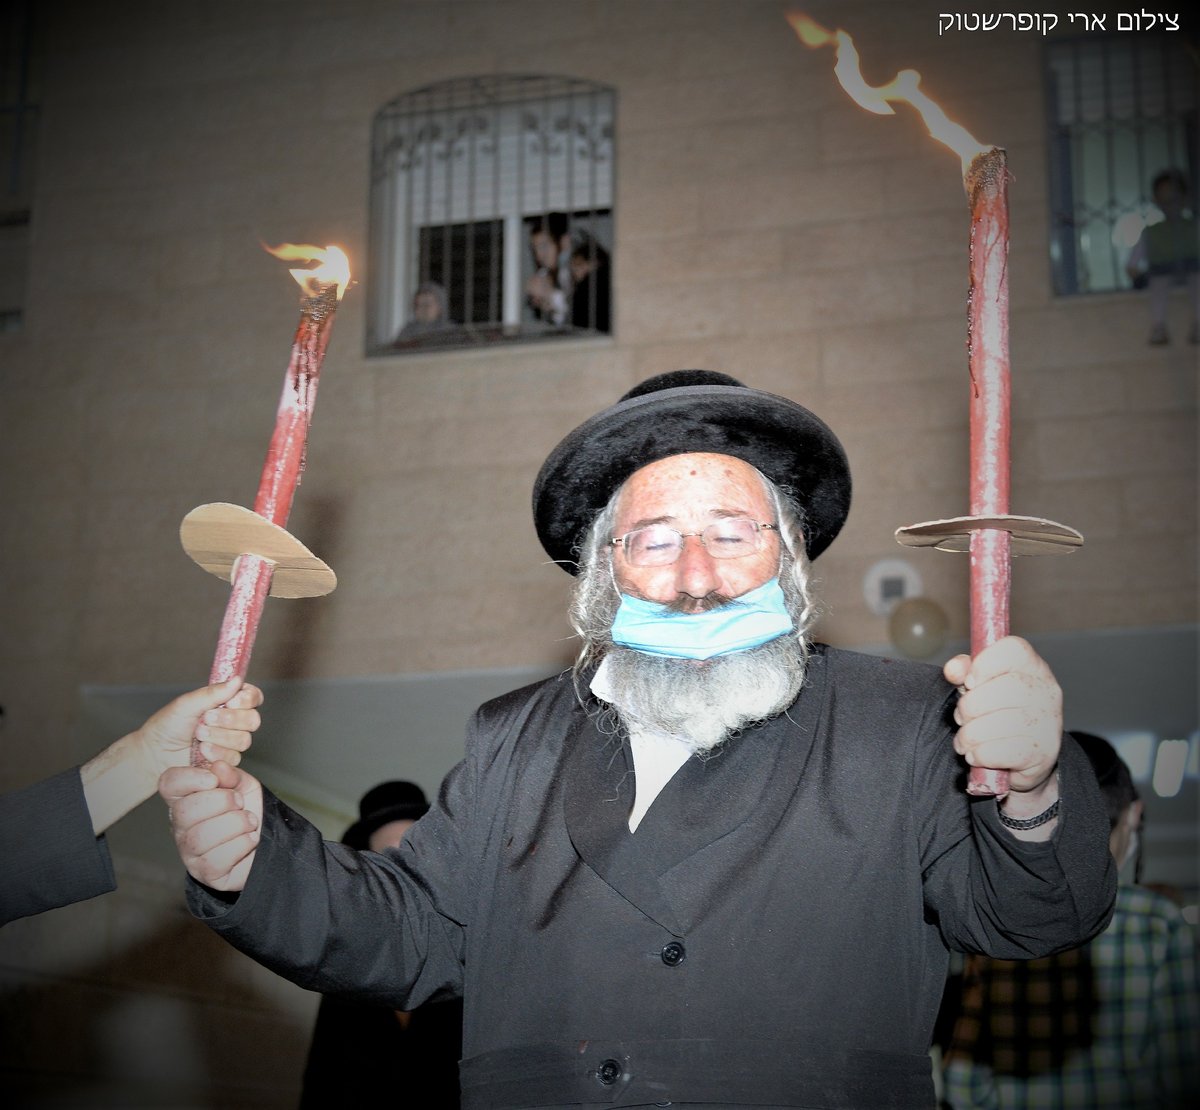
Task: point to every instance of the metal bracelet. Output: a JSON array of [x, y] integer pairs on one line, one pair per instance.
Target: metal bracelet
[[1023, 823]]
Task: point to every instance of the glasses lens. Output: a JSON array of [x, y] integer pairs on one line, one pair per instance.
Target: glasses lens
[[653, 547], [658, 545], [731, 539]]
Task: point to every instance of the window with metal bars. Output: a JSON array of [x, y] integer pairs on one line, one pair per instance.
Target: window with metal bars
[[491, 213], [1122, 111]]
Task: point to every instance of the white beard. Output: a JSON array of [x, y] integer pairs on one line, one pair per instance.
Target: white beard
[[703, 703]]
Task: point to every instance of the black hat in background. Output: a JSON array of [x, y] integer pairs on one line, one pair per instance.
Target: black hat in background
[[389, 801], [1112, 773], [678, 413]]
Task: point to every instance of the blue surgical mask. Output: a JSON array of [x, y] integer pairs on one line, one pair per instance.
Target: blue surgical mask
[[754, 618]]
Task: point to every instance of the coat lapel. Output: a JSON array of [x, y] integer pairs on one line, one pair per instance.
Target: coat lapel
[[598, 798], [751, 778]]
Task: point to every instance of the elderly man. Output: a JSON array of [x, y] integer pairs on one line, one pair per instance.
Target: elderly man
[[720, 864]]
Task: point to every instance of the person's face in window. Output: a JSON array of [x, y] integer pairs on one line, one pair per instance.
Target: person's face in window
[[427, 308], [580, 268], [545, 250]]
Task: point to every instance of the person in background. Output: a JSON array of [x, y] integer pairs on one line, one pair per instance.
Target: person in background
[[358, 1050], [548, 291], [1167, 254], [52, 845], [1111, 1026], [591, 286]]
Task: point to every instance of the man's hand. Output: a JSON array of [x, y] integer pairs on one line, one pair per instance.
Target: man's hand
[[1010, 717], [215, 817], [546, 299], [221, 717]]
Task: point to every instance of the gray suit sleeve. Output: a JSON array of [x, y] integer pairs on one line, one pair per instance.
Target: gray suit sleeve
[[51, 857]]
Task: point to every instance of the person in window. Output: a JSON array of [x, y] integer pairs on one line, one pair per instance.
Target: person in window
[[1167, 254], [429, 321], [548, 291], [590, 288], [718, 863]]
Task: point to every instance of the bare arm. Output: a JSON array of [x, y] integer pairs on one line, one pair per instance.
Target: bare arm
[[126, 773]]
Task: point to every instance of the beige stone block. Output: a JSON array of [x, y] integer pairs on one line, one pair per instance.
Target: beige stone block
[[655, 210], [896, 350], [1115, 445], [854, 142], [649, 157], [1069, 391], [1029, 284], [936, 461], [1162, 385], [751, 147], [786, 304], [727, 258], [727, 355], [706, 39], [1163, 503], [691, 311], [706, 98], [1081, 331], [913, 239], [904, 409], [774, 200], [928, 181]]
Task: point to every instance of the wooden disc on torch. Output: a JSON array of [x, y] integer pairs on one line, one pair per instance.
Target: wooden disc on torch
[[1031, 535], [216, 535]]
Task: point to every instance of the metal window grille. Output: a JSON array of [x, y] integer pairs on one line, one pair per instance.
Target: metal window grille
[[466, 176], [1122, 109]]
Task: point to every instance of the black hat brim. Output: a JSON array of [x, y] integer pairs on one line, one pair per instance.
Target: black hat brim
[[785, 441], [358, 835]]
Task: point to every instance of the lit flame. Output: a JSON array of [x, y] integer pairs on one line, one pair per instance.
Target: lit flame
[[334, 268], [905, 87]]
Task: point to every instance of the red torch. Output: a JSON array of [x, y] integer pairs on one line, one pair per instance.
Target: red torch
[[252, 549], [990, 533]]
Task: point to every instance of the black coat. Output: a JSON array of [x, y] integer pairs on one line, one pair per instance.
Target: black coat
[[775, 933], [359, 1052]]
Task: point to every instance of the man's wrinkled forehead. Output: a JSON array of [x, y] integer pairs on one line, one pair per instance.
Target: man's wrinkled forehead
[[694, 482]]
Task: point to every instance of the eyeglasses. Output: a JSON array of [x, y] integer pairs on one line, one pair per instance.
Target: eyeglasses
[[656, 545]]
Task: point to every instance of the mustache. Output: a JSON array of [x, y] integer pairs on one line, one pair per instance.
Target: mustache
[[685, 603]]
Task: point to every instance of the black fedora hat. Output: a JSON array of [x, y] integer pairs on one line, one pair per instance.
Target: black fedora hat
[[678, 413], [389, 801]]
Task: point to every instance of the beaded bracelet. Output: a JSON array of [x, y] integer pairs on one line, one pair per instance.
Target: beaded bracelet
[[1023, 823]]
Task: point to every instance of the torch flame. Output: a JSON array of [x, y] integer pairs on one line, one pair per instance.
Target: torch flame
[[905, 87], [334, 268]]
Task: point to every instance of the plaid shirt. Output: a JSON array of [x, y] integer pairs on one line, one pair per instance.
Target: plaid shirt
[[1113, 1025]]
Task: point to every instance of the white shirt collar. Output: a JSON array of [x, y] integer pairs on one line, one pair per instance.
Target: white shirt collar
[[656, 756]]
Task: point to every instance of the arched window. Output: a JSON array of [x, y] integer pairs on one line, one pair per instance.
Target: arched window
[[491, 213]]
